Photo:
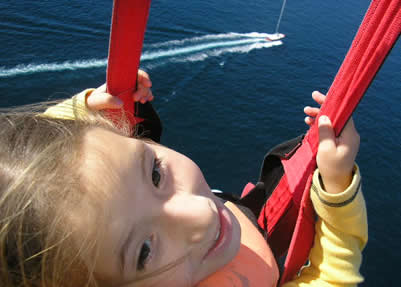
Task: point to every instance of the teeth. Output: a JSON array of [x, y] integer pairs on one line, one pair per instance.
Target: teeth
[[217, 235]]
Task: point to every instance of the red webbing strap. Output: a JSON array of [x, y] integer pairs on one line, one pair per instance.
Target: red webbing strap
[[125, 47], [376, 36]]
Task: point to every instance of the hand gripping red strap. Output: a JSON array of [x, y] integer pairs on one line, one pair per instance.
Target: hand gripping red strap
[[376, 36], [289, 207], [125, 46]]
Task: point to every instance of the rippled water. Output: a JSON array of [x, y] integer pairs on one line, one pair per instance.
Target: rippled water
[[225, 95]]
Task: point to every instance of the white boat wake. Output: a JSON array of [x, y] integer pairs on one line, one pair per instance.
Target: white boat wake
[[175, 51]]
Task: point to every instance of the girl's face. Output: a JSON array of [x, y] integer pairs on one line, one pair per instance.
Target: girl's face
[[163, 226]]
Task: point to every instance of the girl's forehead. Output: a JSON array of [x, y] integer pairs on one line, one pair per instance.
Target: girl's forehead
[[110, 158]]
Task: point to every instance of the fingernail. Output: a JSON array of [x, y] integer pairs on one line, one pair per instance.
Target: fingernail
[[324, 120]]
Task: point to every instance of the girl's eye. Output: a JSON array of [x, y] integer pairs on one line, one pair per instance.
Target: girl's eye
[[156, 173], [144, 255]]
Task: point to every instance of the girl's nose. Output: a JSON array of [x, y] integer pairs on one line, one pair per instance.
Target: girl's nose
[[191, 217]]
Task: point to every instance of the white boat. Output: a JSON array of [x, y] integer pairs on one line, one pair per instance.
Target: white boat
[[275, 37]]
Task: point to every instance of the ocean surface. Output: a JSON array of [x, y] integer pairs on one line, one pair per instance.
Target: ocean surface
[[225, 96]]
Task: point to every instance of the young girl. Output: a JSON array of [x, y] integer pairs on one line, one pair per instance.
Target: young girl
[[83, 204]]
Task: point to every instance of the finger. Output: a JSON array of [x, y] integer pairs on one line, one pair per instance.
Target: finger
[[150, 96], [137, 95], [143, 94], [144, 79], [327, 140], [146, 98], [349, 135], [101, 101], [310, 111], [101, 89], [318, 97], [309, 121]]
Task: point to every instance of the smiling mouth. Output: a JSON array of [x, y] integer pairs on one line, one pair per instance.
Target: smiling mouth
[[217, 235], [223, 234]]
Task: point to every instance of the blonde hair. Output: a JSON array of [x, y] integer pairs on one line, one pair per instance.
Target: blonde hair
[[41, 186]]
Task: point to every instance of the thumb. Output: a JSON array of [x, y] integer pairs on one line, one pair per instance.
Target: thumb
[[101, 101], [327, 138], [144, 79]]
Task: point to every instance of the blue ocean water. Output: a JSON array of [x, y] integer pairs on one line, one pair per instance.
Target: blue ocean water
[[225, 96]]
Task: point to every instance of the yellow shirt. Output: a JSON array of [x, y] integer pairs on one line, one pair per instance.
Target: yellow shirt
[[341, 235]]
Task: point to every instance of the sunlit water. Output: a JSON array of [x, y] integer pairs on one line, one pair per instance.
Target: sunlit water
[[225, 94]]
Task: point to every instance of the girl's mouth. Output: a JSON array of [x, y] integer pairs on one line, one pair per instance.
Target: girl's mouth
[[223, 234]]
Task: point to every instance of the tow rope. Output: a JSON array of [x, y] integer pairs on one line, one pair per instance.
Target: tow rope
[[125, 46]]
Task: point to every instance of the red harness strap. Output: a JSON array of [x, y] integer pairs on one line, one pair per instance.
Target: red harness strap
[[125, 46], [376, 36], [289, 207]]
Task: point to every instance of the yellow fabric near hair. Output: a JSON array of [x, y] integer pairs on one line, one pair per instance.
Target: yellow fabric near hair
[[68, 109]]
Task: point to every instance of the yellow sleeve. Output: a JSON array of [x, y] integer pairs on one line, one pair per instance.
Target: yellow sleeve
[[341, 235], [70, 109]]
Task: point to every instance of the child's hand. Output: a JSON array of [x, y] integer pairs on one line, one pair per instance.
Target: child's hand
[[335, 156], [100, 100], [312, 112]]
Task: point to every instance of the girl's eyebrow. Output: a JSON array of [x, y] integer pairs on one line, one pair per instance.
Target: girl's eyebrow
[[142, 152]]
